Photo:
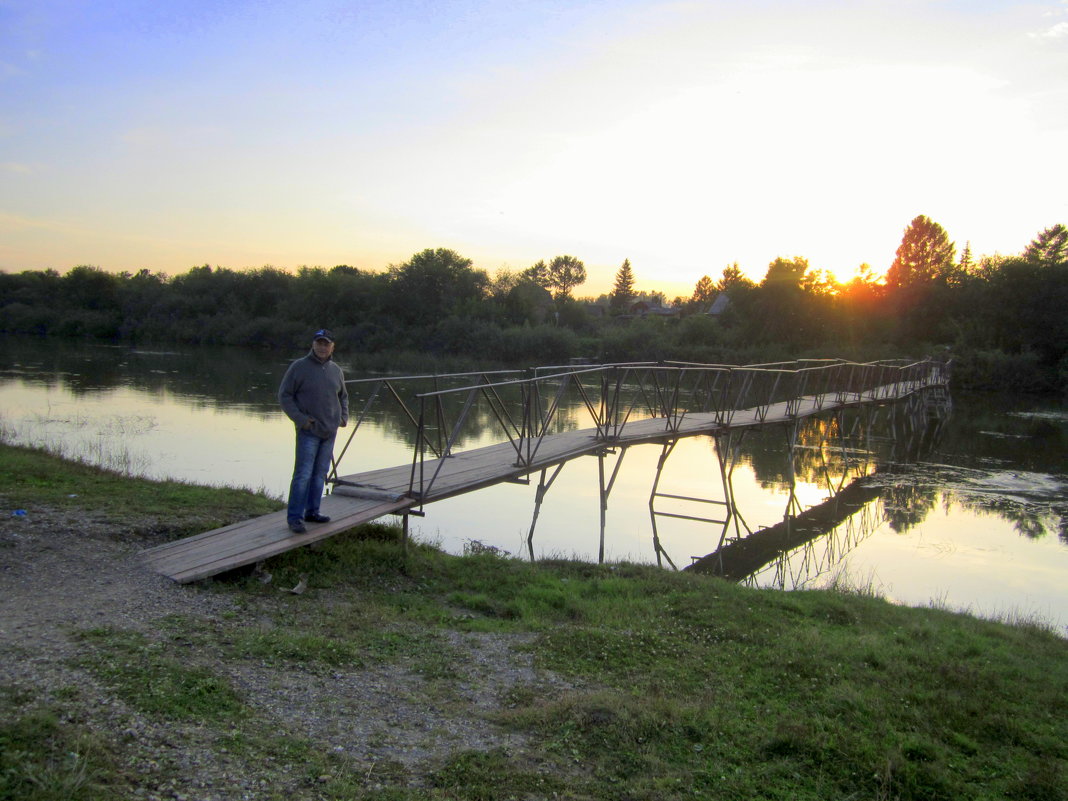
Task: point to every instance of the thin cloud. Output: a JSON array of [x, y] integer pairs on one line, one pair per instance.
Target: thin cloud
[[22, 222], [1056, 32], [8, 70]]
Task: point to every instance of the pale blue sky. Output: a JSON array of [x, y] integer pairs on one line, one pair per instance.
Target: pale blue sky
[[681, 135]]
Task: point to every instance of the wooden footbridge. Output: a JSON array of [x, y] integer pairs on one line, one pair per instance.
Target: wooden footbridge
[[627, 404]]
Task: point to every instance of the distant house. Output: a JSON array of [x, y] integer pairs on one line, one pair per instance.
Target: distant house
[[719, 305], [645, 308]]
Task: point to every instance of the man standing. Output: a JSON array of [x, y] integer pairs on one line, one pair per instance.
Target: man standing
[[314, 397]]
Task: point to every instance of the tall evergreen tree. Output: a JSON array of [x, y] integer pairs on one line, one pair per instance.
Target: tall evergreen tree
[[704, 291], [623, 290], [1049, 248], [966, 264], [733, 278]]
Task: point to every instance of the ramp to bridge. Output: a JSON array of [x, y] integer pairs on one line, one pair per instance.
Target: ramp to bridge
[[252, 541]]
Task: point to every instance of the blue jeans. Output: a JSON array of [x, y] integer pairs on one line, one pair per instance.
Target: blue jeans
[[309, 475]]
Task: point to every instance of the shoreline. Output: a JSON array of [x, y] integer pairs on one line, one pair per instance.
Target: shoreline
[[436, 676]]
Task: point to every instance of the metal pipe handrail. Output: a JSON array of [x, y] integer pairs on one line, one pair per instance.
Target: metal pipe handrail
[[517, 382], [671, 390], [427, 375]]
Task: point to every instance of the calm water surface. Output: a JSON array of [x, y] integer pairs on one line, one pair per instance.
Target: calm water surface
[[978, 523]]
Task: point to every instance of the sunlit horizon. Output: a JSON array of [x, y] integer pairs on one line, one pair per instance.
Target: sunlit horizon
[[684, 137]]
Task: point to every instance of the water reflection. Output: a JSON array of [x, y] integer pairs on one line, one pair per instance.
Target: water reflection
[[218, 377], [1035, 503], [866, 490], [840, 456], [980, 519]]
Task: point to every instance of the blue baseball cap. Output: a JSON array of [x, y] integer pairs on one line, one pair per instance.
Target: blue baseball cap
[[324, 333]]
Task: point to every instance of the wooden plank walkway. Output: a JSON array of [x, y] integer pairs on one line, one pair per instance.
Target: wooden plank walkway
[[252, 541]]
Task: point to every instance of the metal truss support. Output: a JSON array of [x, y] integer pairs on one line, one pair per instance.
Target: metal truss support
[[539, 496], [728, 449], [604, 491]]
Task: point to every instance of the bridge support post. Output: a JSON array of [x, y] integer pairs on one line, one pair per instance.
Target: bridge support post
[[539, 496], [604, 491]]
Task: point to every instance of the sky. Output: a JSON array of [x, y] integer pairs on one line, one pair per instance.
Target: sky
[[683, 136]]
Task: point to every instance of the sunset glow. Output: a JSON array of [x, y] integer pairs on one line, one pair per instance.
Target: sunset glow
[[682, 136]]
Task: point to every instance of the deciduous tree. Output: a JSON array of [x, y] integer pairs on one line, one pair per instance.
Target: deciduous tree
[[434, 283], [566, 273], [539, 274], [785, 273], [925, 253]]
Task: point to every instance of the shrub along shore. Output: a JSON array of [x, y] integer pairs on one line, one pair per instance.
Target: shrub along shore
[[668, 685], [1002, 317]]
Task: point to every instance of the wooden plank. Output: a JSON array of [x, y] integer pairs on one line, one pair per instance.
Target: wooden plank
[[222, 549], [208, 566], [230, 539]]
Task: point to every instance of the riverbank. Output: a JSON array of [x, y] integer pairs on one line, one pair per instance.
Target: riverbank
[[423, 675]]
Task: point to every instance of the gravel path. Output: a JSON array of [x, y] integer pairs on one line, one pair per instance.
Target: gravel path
[[61, 574]]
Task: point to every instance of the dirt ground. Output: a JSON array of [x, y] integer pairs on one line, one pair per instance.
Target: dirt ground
[[60, 574]]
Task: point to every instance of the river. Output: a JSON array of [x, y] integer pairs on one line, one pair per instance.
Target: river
[[978, 523]]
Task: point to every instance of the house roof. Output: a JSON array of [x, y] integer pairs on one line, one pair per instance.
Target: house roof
[[719, 305]]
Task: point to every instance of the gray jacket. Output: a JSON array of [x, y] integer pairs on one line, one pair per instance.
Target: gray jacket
[[315, 390]]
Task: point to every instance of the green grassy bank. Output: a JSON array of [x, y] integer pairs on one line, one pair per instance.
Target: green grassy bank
[[675, 685]]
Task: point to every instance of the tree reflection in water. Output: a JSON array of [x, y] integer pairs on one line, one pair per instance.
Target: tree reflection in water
[[840, 454]]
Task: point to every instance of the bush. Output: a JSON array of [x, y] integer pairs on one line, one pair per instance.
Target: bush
[[89, 323], [266, 332], [997, 370], [638, 341], [467, 337], [543, 344], [19, 318]]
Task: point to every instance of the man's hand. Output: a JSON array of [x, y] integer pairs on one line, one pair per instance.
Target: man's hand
[[308, 424]]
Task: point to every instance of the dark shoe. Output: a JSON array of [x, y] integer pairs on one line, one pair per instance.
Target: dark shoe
[[316, 518], [297, 527]]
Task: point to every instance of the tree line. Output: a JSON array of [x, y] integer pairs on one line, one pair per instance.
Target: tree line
[[1002, 317]]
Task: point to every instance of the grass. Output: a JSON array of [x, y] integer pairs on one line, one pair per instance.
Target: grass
[[34, 477], [674, 685], [154, 681], [42, 759]]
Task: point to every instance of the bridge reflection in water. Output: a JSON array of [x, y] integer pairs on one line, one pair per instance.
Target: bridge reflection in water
[[835, 452], [809, 543]]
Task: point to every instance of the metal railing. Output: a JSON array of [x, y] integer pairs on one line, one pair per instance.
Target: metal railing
[[385, 389], [524, 411]]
